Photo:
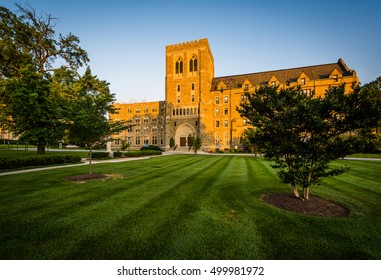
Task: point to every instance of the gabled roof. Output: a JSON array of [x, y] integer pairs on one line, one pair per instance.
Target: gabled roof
[[315, 72]]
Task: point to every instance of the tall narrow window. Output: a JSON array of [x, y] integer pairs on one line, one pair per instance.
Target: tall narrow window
[[193, 64], [179, 66]]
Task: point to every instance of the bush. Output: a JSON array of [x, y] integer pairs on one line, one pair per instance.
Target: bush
[[6, 163], [100, 155], [143, 153], [151, 148]]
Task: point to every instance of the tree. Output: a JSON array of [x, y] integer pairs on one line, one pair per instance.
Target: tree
[[32, 59], [195, 143], [93, 102], [302, 134]]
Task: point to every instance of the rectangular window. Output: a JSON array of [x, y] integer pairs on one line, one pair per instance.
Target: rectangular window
[[178, 88], [226, 111], [243, 98], [303, 81], [226, 123], [178, 99], [226, 99], [137, 120], [217, 100], [192, 86], [217, 123], [137, 142], [217, 111], [246, 87], [137, 110], [192, 98]]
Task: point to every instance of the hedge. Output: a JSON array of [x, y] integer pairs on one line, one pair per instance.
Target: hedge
[[142, 153], [100, 155], [6, 163]]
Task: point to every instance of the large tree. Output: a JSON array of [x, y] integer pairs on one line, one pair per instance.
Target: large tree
[[301, 134], [32, 59]]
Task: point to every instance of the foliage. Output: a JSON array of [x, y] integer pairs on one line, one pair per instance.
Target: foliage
[[151, 147], [99, 155], [93, 102], [302, 134], [14, 163], [33, 60], [195, 143], [143, 153], [171, 142]]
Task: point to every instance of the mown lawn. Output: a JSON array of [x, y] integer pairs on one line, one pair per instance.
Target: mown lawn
[[184, 207]]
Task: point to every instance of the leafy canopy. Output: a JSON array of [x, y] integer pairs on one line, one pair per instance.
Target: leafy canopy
[[301, 134]]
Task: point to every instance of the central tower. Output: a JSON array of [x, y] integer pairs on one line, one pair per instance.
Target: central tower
[[188, 80]]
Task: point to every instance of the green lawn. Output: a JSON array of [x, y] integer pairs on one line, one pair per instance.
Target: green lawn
[[184, 207]]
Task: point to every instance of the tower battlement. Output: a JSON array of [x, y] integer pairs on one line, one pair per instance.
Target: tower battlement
[[186, 45]]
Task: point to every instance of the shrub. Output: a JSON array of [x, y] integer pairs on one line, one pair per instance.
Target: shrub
[[100, 155], [151, 147], [6, 163], [142, 153]]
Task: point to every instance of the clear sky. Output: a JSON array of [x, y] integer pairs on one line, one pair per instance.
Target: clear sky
[[126, 39]]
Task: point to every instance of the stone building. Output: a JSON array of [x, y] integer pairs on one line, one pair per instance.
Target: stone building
[[197, 103]]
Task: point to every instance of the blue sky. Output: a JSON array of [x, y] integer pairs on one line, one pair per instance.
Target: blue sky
[[126, 40]]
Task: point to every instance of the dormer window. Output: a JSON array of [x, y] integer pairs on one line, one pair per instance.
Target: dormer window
[[273, 84], [246, 87], [303, 81]]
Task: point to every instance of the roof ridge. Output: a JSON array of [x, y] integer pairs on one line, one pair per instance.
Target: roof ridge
[[278, 70]]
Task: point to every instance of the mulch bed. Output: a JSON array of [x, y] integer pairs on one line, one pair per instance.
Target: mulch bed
[[314, 206], [86, 177]]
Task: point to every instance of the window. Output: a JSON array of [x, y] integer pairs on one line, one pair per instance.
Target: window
[[137, 141], [173, 112], [273, 84], [145, 119], [246, 87], [154, 140], [303, 81], [192, 86], [178, 99], [145, 110], [217, 123], [226, 123], [243, 98], [137, 120], [192, 97], [178, 88], [226, 111], [179, 66], [217, 100], [217, 111], [193, 64], [129, 110], [336, 77], [244, 122], [154, 110], [226, 99], [137, 110], [154, 120]]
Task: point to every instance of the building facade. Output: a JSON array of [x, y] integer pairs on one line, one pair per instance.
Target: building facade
[[197, 103]]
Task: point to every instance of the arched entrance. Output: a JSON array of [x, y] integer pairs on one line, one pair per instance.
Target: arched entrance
[[182, 135]]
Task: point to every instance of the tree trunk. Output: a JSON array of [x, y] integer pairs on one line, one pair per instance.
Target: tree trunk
[[90, 158], [295, 190], [40, 149], [306, 193]]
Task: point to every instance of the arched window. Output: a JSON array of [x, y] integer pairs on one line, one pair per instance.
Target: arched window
[[193, 64], [179, 66]]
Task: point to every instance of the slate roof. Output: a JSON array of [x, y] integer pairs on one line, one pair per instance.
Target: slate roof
[[315, 72]]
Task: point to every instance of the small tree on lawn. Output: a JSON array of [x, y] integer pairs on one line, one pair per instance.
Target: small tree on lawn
[[196, 143], [93, 102], [302, 134]]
